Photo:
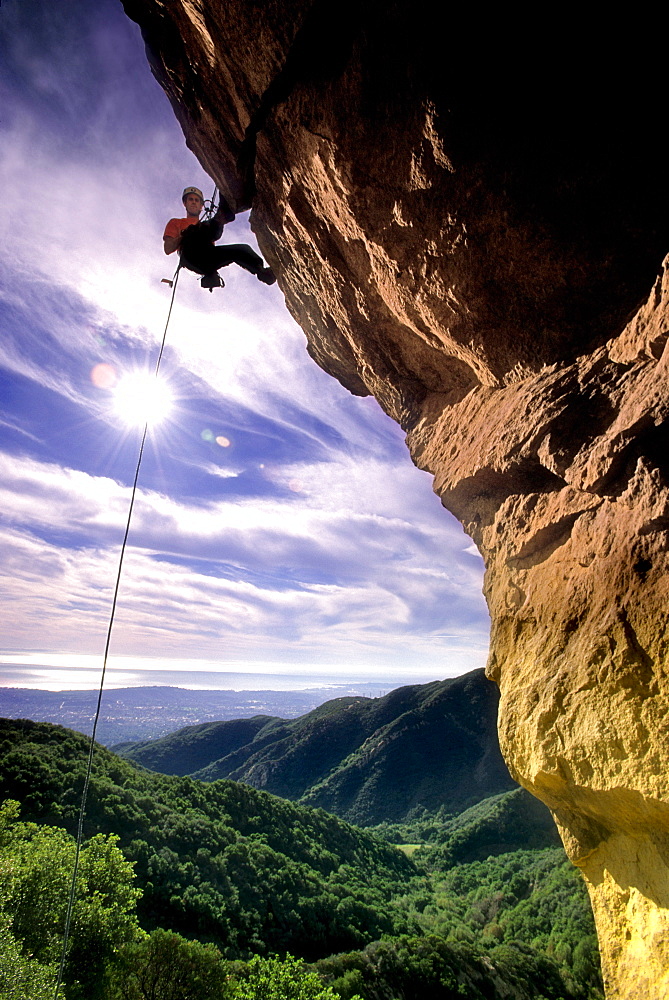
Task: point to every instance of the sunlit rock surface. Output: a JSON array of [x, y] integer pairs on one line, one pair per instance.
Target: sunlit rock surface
[[470, 224]]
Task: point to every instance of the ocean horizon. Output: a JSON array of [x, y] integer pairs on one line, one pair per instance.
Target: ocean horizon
[[62, 677]]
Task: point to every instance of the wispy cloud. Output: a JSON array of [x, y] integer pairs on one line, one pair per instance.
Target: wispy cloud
[[254, 575]]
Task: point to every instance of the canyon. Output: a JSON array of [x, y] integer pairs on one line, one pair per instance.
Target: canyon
[[469, 222]]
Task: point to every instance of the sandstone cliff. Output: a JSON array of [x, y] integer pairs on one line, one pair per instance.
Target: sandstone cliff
[[471, 225]]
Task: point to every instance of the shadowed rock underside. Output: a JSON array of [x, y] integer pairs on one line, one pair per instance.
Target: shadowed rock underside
[[472, 228]]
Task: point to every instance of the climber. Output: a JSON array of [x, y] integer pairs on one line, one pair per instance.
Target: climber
[[195, 242]]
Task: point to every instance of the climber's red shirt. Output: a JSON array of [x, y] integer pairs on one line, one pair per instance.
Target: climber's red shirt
[[175, 227]]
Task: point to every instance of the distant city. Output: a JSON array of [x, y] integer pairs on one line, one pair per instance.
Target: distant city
[[144, 713]]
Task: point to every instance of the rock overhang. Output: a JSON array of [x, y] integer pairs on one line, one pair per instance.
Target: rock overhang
[[471, 227]]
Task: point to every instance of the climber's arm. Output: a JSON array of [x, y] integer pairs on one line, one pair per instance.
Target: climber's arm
[[171, 243], [224, 213]]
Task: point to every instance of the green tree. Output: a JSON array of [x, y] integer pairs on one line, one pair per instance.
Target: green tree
[[282, 979], [36, 864], [21, 976], [166, 966]]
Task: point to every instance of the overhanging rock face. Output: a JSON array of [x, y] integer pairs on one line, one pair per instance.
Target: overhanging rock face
[[473, 231]]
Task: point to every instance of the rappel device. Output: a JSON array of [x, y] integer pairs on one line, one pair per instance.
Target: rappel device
[[210, 207]]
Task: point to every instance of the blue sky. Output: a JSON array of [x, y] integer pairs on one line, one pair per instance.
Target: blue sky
[[280, 526]]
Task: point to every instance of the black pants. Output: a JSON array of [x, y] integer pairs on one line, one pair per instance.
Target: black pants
[[199, 254]]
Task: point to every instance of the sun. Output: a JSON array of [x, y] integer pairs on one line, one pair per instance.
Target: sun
[[141, 398]]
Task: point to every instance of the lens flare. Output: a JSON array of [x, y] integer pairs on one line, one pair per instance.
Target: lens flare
[[141, 398], [103, 376]]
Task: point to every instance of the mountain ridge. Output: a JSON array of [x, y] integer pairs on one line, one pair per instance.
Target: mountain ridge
[[364, 759]]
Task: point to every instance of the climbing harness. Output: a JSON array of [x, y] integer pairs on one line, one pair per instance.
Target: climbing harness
[[84, 795]]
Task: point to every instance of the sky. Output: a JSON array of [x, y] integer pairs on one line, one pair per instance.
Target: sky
[[280, 527]]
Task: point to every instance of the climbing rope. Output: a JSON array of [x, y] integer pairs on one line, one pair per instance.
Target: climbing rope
[[89, 767]]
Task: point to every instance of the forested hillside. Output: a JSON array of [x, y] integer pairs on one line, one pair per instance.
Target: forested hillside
[[252, 874], [367, 760], [220, 860], [512, 821]]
